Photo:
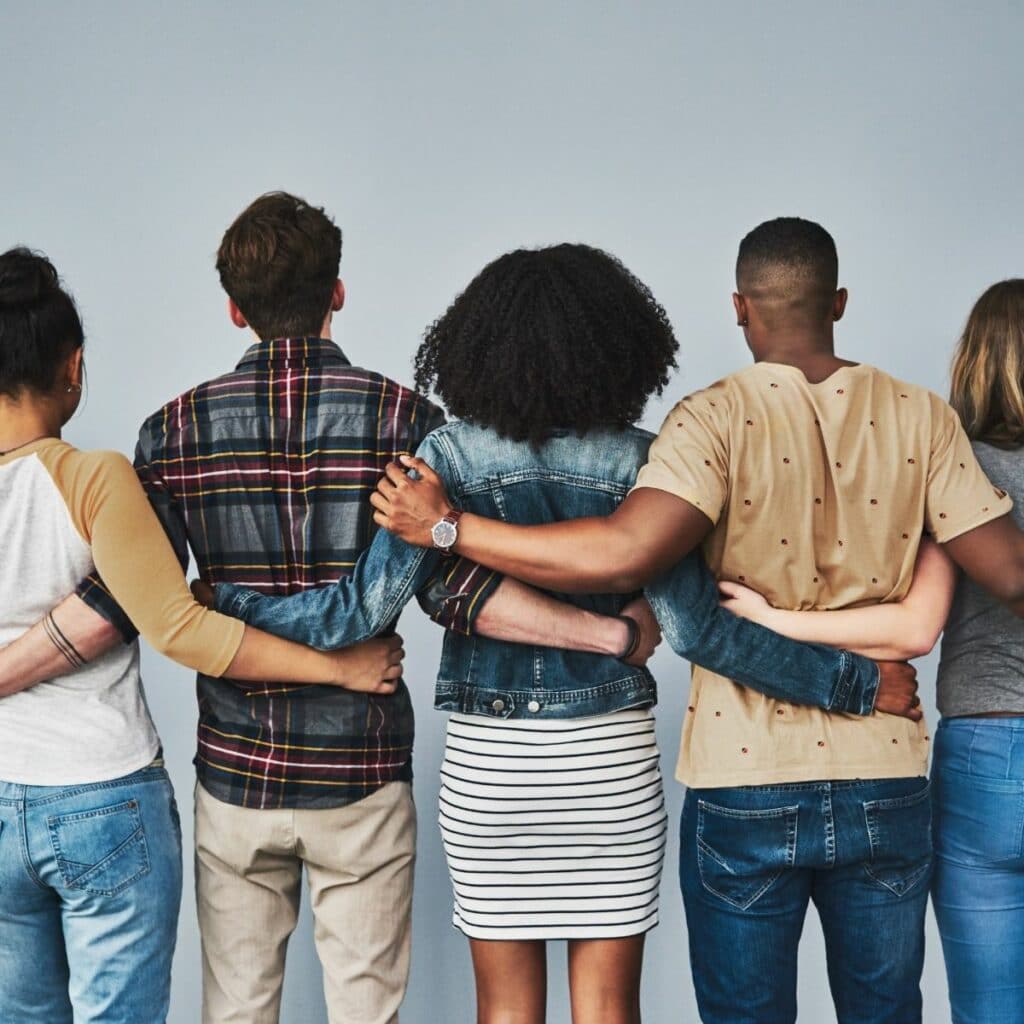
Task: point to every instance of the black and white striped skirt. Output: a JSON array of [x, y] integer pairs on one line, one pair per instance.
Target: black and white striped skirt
[[555, 828]]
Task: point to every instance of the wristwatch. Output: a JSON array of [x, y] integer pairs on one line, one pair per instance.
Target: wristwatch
[[445, 532]]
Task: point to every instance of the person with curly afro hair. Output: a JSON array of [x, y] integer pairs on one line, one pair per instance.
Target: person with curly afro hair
[[559, 338]]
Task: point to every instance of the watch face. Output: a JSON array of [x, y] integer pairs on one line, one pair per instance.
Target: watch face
[[444, 534]]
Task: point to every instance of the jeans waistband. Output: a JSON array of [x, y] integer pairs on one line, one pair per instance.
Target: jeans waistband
[[16, 792]]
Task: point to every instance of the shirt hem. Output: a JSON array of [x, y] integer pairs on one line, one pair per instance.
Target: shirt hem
[[844, 773], [107, 774]]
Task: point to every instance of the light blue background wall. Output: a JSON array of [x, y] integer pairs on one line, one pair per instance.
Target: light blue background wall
[[442, 134]]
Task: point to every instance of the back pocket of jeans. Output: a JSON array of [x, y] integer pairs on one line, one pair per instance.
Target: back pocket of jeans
[[900, 834], [100, 851], [741, 853], [978, 819]]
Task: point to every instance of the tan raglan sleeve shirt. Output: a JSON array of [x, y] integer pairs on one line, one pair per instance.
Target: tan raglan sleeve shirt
[[111, 512]]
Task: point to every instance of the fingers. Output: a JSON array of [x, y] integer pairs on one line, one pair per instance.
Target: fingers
[[421, 467], [729, 589], [395, 475], [380, 502]]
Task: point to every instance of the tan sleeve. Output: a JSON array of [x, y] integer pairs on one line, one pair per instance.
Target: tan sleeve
[[959, 496], [690, 456], [133, 555]]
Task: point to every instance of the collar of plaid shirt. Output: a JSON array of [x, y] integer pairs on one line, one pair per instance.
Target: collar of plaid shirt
[[286, 353]]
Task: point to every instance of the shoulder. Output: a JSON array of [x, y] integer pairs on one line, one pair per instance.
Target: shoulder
[[399, 402], [180, 411], [87, 479]]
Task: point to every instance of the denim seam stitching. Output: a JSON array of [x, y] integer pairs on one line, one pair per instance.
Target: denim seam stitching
[[23, 843]]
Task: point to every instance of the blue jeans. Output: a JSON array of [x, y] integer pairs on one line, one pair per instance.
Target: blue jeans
[[751, 858], [90, 884], [978, 779]]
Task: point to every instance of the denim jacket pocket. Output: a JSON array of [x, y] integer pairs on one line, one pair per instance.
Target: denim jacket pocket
[[100, 851], [742, 853], [900, 834]]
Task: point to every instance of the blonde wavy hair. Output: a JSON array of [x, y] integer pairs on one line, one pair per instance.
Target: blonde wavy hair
[[987, 377]]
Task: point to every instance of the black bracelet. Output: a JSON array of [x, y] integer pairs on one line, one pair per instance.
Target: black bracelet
[[634, 638]]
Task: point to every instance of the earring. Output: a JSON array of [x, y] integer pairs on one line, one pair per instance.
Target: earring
[[73, 389]]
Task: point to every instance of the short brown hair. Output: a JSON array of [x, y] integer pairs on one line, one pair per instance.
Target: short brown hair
[[278, 262], [988, 367]]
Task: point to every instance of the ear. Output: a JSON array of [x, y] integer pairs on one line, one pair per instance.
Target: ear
[[739, 303], [839, 304], [235, 315], [338, 296], [75, 367]]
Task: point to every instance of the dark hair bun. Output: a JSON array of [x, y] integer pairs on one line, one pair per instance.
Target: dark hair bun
[[39, 324], [25, 278]]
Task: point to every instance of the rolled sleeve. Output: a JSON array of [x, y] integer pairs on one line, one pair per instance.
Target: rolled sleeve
[[93, 591], [456, 593]]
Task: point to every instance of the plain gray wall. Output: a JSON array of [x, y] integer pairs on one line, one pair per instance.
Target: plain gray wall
[[443, 134]]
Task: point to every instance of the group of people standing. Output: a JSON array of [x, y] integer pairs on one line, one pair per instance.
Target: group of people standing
[[798, 530]]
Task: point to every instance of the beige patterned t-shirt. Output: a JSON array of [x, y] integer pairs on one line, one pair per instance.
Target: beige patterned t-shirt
[[819, 494]]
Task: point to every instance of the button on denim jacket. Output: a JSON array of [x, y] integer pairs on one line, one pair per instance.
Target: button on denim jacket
[[567, 477]]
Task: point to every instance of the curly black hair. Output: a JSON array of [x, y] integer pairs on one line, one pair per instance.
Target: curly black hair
[[563, 337]]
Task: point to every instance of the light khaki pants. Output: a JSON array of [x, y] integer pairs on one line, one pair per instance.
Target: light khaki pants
[[359, 862]]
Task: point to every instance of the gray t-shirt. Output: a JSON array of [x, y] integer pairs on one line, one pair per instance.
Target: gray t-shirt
[[982, 666]]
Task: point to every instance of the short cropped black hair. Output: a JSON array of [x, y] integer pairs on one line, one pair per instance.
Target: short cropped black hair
[[39, 323], [791, 260], [563, 337], [278, 262]]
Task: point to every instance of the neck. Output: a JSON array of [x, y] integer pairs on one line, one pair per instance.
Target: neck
[[25, 420], [809, 349]]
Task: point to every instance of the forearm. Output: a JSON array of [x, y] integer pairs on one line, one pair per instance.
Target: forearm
[[884, 632], [578, 556], [519, 614], [354, 609], [263, 657], [71, 635], [685, 602]]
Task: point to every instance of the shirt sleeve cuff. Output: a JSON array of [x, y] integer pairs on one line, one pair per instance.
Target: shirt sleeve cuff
[[948, 532], [857, 686], [96, 596], [231, 599], [658, 479]]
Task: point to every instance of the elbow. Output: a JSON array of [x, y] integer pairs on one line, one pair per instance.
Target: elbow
[[624, 575], [916, 642], [920, 645], [624, 581]]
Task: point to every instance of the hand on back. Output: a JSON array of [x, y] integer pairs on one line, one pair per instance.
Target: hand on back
[[373, 666], [897, 690], [409, 506]]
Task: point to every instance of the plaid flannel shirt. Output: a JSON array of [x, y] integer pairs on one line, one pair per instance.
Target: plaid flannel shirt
[[266, 474]]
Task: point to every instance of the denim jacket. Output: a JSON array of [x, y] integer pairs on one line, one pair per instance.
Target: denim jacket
[[567, 477]]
